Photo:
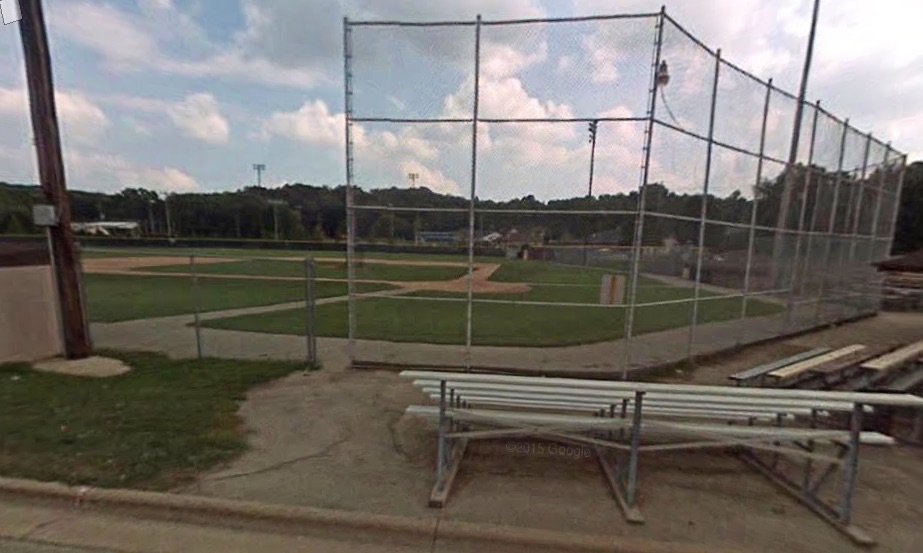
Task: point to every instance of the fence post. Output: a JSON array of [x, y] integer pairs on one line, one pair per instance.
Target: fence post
[[751, 238], [474, 164], [873, 238], [195, 306], [856, 206], [78, 254], [897, 204], [793, 280], [350, 210], [310, 320], [703, 215], [831, 223], [642, 195]]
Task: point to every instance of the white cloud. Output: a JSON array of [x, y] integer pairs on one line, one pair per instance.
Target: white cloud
[[80, 119], [113, 172], [106, 30], [312, 124], [198, 116], [503, 60], [132, 43], [430, 178]]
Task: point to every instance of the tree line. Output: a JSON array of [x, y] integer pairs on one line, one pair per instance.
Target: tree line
[[317, 212]]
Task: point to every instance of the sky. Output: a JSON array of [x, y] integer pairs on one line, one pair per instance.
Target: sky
[[185, 95]]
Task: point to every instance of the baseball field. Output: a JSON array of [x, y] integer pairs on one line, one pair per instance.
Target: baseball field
[[400, 298]]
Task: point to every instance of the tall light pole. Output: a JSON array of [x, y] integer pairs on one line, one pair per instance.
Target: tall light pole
[[259, 168], [789, 181], [413, 179], [275, 215], [150, 217], [166, 208], [593, 125]]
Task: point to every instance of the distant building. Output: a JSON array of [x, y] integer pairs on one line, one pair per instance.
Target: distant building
[[436, 237], [607, 237], [108, 228]]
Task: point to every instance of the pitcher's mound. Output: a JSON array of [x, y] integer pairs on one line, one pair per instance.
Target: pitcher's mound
[[98, 367]]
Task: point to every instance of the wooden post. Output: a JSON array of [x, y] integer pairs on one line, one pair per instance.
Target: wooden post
[[51, 173]]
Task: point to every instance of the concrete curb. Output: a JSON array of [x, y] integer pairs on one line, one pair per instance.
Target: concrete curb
[[291, 519]]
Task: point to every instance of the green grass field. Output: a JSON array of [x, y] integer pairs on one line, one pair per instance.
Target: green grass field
[[282, 268], [443, 322], [112, 298], [420, 317], [153, 427], [538, 272]]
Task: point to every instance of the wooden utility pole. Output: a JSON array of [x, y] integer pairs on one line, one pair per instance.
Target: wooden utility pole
[[51, 173]]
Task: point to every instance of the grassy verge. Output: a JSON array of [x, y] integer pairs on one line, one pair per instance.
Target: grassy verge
[[443, 322], [547, 273], [153, 427], [283, 268], [114, 298]]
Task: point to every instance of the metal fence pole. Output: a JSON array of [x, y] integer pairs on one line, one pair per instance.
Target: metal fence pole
[[310, 319], [812, 226], [642, 194], [897, 205], [703, 216], [83, 294], [350, 211], [195, 305], [474, 171], [831, 222], [751, 238], [872, 295], [793, 281], [854, 234]]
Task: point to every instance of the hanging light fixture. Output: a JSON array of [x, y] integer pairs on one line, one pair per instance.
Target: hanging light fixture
[[663, 74]]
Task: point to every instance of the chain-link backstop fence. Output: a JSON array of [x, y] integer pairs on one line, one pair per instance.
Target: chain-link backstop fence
[[625, 196]]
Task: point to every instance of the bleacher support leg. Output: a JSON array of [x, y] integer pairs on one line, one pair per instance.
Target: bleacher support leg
[[851, 469], [441, 443], [635, 446]]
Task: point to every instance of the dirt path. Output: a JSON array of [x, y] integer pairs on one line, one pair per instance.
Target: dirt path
[[125, 265], [479, 278]]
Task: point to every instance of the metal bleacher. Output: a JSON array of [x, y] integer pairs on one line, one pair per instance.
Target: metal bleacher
[[621, 420]]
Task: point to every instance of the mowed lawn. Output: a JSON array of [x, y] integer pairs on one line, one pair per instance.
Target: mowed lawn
[[426, 316], [495, 324], [328, 269], [539, 272], [153, 427], [113, 298]]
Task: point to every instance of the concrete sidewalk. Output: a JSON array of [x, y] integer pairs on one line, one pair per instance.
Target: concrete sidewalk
[[175, 337], [37, 527], [50, 518]]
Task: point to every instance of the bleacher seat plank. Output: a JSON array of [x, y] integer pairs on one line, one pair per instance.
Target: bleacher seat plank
[[798, 368], [850, 360], [761, 370], [895, 358]]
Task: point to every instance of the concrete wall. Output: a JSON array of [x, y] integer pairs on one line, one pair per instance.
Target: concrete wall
[[29, 323]]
